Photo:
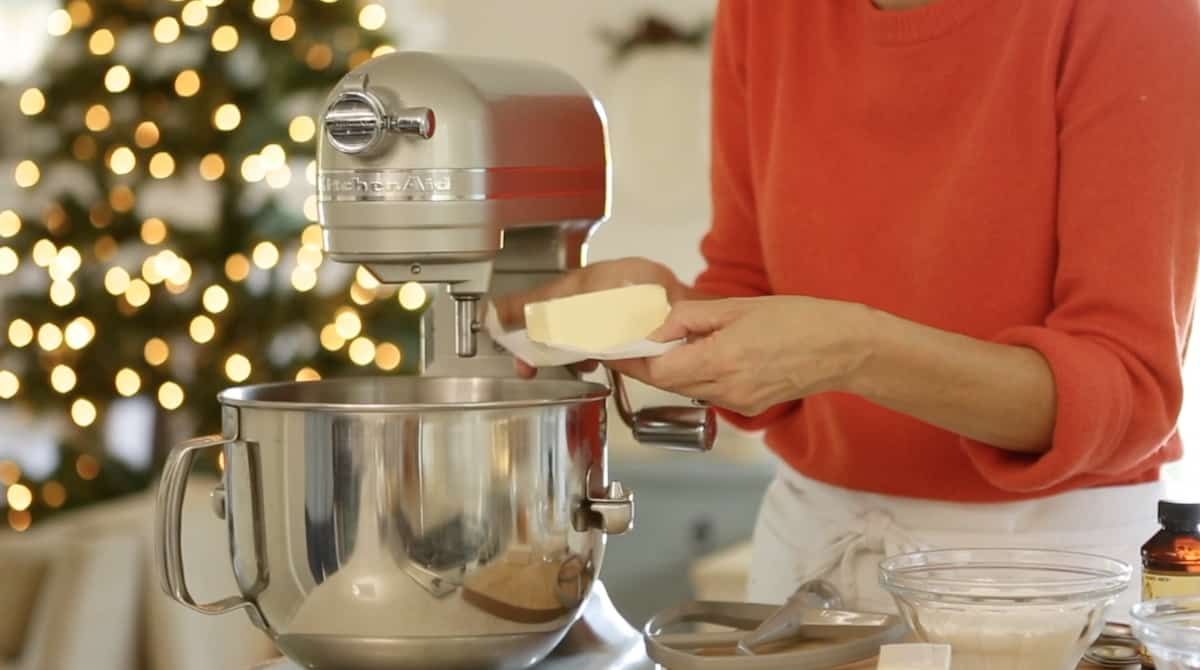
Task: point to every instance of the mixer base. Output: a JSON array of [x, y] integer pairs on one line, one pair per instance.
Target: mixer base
[[600, 640], [494, 652]]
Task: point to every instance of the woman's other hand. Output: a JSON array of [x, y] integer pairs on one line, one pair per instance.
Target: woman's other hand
[[603, 275], [749, 354]]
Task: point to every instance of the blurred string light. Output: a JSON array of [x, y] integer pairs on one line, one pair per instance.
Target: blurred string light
[[154, 231], [411, 296], [138, 293], [310, 208], [319, 56], [283, 28], [372, 16], [388, 356], [265, 255], [58, 23], [80, 12], [146, 134], [97, 118], [215, 299], [27, 174], [171, 395], [62, 379], [227, 117], [212, 167], [309, 257], [273, 157], [10, 385], [20, 333], [265, 9], [102, 42], [312, 237], [187, 83], [237, 267], [330, 339], [382, 50], [20, 521], [362, 351], [237, 368], [117, 79], [365, 279], [116, 281], [127, 382], [156, 351], [122, 160], [9, 261], [303, 279], [79, 332], [347, 323], [202, 329], [32, 102], [307, 374], [162, 165], [225, 39], [54, 494], [252, 169], [122, 198], [83, 412], [302, 129], [10, 223], [49, 337], [194, 13], [166, 30], [10, 473], [19, 497], [44, 252], [87, 467], [62, 293]]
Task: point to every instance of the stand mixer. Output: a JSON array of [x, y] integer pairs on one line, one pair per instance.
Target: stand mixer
[[455, 519]]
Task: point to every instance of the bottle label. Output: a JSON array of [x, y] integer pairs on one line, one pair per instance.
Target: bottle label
[[1167, 585]]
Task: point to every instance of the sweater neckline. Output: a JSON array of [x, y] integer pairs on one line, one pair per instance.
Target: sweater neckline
[[919, 24]]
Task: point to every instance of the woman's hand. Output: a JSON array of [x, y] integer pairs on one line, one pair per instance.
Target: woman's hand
[[603, 275], [749, 354]]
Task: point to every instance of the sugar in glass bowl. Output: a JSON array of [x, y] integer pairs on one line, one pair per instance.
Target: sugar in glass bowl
[[1169, 628], [1006, 609]]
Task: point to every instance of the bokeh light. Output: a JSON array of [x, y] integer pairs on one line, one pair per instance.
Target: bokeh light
[[170, 395], [128, 382]]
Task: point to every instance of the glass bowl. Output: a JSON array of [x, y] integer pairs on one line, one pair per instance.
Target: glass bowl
[[1030, 609], [1169, 628]]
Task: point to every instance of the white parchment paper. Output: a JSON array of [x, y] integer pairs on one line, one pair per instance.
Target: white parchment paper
[[539, 355]]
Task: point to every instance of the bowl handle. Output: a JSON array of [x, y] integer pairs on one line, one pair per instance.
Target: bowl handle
[[168, 552]]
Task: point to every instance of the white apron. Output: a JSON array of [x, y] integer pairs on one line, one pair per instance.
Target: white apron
[[807, 530]]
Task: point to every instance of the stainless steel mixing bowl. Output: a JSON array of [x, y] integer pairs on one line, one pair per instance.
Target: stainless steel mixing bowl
[[407, 522]]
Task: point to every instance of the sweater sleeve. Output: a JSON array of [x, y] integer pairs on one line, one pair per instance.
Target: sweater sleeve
[[1128, 223], [732, 249]]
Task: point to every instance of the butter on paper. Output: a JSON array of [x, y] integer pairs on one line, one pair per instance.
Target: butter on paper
[[540, 355]]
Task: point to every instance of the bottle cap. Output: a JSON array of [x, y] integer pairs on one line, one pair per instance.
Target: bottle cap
[[1178, 514]]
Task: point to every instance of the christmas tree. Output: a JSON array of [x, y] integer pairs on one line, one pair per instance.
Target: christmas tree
[[167, 247]]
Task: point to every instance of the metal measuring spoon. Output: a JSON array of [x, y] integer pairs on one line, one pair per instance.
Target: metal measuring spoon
[[794, 616]]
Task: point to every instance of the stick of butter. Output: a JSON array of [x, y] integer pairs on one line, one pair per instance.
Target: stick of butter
[[599, 320], [914, 657]]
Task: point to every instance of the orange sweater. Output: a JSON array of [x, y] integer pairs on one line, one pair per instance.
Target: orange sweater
[[1022, 171]]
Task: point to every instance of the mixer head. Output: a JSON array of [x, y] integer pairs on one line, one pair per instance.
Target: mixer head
[[448, 171]]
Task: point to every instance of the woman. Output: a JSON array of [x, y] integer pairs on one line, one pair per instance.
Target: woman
[[950, 272]]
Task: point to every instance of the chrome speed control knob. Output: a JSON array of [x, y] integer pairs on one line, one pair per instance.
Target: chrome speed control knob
[[357, 121]]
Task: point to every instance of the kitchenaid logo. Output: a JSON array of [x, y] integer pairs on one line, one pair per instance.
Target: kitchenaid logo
[[335, 185]]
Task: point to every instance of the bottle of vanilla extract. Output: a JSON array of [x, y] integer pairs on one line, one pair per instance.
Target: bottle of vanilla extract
[[1171, 559]]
